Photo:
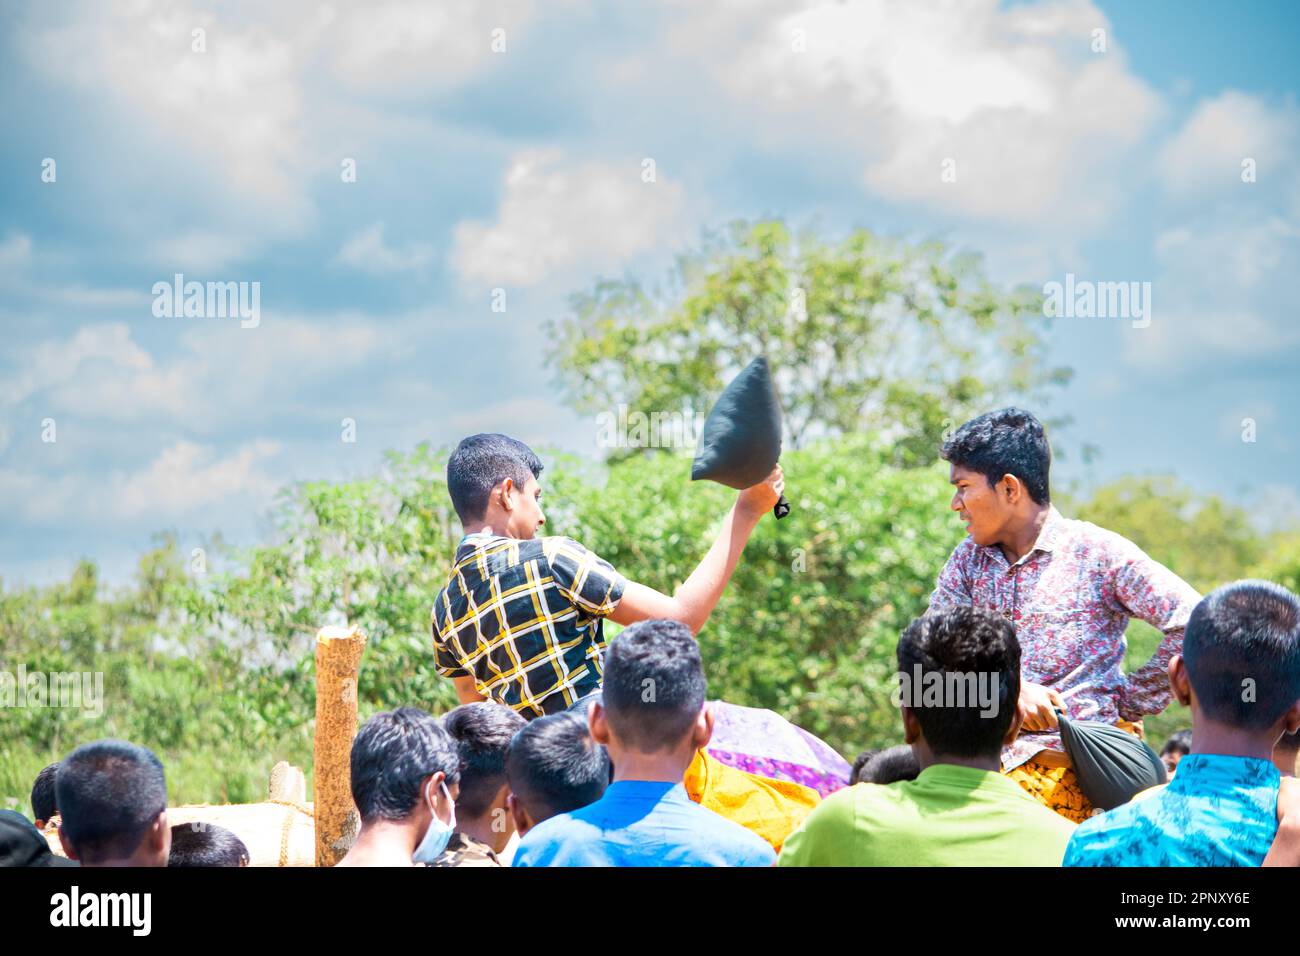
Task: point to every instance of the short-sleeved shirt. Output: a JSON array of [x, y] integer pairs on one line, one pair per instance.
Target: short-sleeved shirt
[[1071, 598], [464, 850], [947, 816], [642, 823], [1216, 811], [524, 619]]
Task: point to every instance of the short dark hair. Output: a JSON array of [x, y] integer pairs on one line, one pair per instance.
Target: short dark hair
[[654, 685], [479, 463], [45, 801], [892, 765], [554, 766], [206, 844], [860, 761], [963, 642], [109, 792], [1179, 742], [1246, 631], [1009, 441], [392, 754], [483, 731]]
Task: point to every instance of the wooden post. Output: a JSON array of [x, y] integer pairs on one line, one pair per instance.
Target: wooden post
[[338, 660]]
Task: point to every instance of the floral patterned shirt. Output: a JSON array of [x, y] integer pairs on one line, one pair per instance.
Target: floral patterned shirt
[[1071, 598]]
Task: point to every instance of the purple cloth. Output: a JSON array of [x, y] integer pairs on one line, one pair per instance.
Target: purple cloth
[[762, 742]]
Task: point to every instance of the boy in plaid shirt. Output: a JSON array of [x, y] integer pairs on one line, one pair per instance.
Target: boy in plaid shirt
[[520, 620]]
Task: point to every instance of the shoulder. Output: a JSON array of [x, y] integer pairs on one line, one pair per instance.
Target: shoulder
[[541, 842], [554, 545]]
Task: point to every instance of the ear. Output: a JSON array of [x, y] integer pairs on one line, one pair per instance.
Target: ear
[[160, 835], [1292, 718], [1179, 681], [518, 814], [68, 849], [507, 494], [911, 726], [1013, 489], [703, 731], [1014, 730], [597, 724]]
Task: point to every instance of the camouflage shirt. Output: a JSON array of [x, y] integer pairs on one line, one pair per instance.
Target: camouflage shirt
[[466, 851]]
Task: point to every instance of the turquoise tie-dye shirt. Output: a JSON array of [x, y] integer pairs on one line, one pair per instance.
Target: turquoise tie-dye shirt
[[1216, 811]]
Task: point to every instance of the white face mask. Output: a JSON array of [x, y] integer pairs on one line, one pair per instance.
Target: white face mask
[[439, 833]]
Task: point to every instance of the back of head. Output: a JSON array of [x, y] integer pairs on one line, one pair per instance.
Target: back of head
[[391, 756], [206, 844], [1009, 441], [483, 732], [892, 765], [859, 764], [45, 801], [976, 659], [554, 766], [479, 464], [1179, 742], [109, 792], [1242, 651], [654, 686]]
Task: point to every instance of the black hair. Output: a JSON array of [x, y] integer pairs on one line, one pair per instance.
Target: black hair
[[479, 464], [964, 646], [654, 685], [483, 731], [891, 765], [1242, 651], [1009, 441], [206, 844], [554, 766], [1178, 742], [109, 793], [45, 802], [391, 756], [860, 761]]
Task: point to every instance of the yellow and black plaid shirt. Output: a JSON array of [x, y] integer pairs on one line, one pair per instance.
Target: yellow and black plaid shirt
[[524, 619]]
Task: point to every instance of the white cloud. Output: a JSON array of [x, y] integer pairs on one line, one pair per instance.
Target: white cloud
[[555, 214], [198, 251], [1035, 122], [187, 477], [220, 373], [183, 480], [1225, 289], [1221, 294], [413, 46], [368, 252], [15, 251], [1207, 152]]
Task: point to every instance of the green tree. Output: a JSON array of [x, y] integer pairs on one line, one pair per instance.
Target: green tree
[[864, 334]]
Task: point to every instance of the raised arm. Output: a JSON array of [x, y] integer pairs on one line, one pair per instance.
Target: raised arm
[[695, 599]]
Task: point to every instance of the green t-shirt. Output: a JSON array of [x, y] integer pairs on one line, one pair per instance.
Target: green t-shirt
[[948, 816]]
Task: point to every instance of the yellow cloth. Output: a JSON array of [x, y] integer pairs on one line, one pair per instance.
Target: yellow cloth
[[1053, 783], [771, 808], [1056, 788]]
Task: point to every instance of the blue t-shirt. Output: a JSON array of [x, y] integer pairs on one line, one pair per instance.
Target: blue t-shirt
[[1216, 811], [642, 823]]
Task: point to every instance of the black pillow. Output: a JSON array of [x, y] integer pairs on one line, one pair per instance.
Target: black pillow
[[1112, 765], [741, 439]]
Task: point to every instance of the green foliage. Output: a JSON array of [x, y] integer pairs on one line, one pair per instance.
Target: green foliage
[[214, 671], [864, 334], [810, 621]]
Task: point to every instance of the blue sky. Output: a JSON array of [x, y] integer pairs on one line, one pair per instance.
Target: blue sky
[[520, 170]]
